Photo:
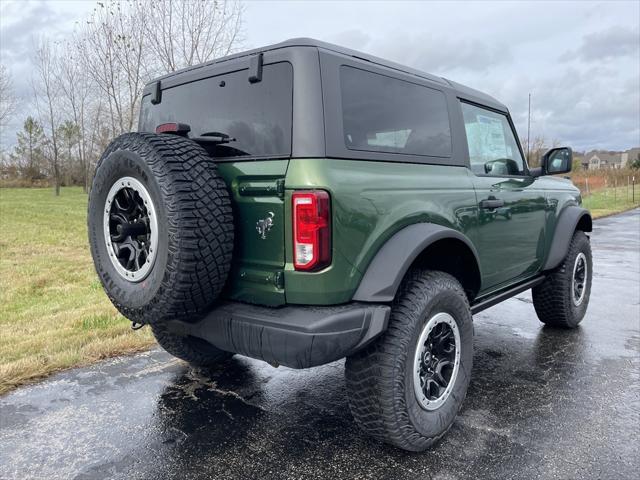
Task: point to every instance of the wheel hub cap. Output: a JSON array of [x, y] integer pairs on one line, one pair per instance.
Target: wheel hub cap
[[437, 361], [579, 279], [130, 229]]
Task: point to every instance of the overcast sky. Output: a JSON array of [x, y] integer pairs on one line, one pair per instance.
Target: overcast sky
[[580, 60]]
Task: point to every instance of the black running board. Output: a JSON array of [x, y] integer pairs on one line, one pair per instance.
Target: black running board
[[485, 302]]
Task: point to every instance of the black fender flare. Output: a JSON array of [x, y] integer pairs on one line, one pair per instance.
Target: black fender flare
[[389, 266], [568, 221]]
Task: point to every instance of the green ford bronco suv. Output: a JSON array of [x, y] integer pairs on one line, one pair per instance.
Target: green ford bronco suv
[[302, 203]]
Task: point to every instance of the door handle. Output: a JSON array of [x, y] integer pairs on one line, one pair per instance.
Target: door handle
[[491, 203]]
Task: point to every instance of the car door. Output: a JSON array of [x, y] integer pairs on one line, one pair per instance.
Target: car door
[[511, 208]]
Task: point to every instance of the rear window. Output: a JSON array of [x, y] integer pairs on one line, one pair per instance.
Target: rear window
[[385, 114], [256, 115]]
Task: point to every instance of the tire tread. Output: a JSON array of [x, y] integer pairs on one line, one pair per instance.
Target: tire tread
[[552, 298], [199, 223], [375, 375]]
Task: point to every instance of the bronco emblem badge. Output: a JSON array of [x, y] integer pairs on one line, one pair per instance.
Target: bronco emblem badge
[[263, 226]]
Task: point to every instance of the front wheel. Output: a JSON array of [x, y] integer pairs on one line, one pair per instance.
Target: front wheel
[[408, 386], [562, 299]]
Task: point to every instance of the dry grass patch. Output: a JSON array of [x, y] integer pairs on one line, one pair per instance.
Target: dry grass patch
[[53, 312]]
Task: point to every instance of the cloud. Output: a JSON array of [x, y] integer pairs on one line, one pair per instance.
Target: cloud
[[438, 54], [21, 21], [577, 103], [583, 108], [353, 38], [22, 24], [615, 41], [429, 52], [588, 97]]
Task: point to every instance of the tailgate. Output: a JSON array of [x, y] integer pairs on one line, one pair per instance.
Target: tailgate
[[257, 190]]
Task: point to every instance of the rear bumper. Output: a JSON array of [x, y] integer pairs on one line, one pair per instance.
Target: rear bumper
[[294, 336]]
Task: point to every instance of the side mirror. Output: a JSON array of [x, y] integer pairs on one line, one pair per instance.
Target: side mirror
[[557, 160]]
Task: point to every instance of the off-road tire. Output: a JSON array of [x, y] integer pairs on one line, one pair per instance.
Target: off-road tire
[[552, 299], [194, 226], [380, 378], [196, 351]]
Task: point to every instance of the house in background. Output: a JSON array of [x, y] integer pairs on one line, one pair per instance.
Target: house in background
[[598, 159], [630, 156]]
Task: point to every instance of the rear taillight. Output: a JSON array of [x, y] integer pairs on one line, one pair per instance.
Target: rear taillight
[[172, 127], [311, 230]]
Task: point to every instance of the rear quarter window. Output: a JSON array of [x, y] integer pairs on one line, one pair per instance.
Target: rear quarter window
[[386, 114], [257, 115]]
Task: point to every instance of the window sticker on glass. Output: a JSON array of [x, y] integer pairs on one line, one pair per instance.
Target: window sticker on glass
[[492, 146], [486, 138], [397, 139]]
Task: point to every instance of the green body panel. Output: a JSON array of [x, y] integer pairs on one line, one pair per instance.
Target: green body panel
[[513, 241], [256, 274], [370, 202], [560, 194]]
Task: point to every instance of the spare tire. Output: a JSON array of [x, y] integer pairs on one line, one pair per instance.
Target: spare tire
[[160, 227]]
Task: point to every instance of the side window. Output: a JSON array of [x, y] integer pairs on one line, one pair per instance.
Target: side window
[[386, 114], [493, 149]]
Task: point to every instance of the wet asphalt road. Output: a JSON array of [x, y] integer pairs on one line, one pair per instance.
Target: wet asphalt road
[[542, 403]]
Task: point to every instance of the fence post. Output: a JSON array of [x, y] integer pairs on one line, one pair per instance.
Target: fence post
[[615, 193]]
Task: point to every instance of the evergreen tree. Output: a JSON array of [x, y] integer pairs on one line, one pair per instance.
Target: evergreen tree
[[28, 152]]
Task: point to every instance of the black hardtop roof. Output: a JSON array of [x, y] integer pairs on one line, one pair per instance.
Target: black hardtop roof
[[329, 47]]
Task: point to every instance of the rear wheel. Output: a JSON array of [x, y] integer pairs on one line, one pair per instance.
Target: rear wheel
[[194, 350], [562, 299], [408, 386]]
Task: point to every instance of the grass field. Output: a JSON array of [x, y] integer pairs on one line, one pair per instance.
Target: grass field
[[53, 312], [611, 200]]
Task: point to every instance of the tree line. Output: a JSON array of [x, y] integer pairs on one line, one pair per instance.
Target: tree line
[[86, 89]]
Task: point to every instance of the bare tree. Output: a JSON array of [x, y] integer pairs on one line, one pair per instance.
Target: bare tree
[[94, 79], [69, 137], [47, 89], [8, 100], [112, 47], [184, 33], [124, 44], [77, 87], [538, 146]]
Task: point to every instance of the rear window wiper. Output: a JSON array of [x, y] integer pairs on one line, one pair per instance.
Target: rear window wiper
[[214, 137]]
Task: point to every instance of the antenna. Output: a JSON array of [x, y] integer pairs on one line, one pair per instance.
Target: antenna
[[529, 128]]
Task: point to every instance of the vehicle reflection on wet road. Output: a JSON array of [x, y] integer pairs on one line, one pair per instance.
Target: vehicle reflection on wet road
[[542, 403]]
